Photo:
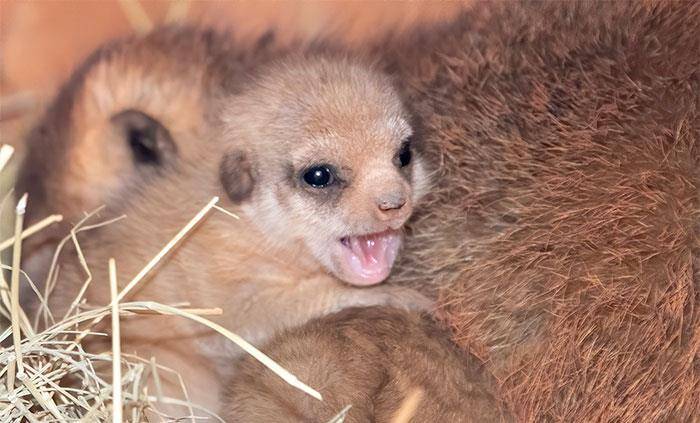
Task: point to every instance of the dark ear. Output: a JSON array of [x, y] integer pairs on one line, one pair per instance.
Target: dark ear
[[149, 141], [237, 175]]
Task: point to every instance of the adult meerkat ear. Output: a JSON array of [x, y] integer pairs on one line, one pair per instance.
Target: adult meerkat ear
[[71, 169], [237, 175], [148, 140]]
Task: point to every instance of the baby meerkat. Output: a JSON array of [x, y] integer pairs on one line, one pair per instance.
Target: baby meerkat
[[313, 153]]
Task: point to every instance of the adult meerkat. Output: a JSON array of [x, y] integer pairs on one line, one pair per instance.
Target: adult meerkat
[[564, 235], [313, 153]]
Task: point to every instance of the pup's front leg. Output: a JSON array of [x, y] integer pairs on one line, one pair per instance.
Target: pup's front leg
[[267, 307], [372, 359]]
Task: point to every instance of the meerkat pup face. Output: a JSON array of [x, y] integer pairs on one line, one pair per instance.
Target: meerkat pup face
[[322, 154]]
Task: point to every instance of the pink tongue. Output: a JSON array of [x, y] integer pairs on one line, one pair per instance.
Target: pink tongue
[[370, 249], [371, 256]]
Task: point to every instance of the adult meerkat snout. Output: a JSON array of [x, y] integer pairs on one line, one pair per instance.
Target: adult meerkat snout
[[323, 156]]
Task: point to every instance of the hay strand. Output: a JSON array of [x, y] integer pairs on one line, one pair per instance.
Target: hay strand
[[116, 346], [242, 343], [14, 281], [177, 11], [342, 414], [169, 246], [226, 212], [6, 152], [40, 225], [136, 15], [408, 407]]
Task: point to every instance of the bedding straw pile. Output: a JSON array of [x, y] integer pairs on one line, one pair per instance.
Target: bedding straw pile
[[47, 375]]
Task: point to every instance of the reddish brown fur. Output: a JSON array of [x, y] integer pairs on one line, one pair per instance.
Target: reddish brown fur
[[564, 234], [370, 358]]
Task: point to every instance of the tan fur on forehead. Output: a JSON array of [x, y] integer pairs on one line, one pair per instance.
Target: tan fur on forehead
[[148, 85], [325, 96]]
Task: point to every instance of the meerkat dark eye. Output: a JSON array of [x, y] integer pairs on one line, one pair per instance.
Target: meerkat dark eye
[[404, 155], [318, 176]]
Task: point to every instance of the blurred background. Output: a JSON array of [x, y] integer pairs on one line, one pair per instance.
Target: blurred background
[[42, 41]]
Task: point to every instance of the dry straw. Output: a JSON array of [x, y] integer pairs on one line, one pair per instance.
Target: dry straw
[[41, 358]]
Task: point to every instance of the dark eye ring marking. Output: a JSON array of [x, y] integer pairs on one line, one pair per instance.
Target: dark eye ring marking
[[318, 176], [403, 157]]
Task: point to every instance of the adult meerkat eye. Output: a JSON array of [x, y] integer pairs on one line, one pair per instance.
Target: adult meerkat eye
[[403, 158], [318, 176]]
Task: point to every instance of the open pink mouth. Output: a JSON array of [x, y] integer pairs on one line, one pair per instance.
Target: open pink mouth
[[369, 258]]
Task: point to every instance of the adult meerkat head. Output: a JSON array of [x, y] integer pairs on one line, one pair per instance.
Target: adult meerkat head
[[322, 152]]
